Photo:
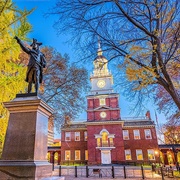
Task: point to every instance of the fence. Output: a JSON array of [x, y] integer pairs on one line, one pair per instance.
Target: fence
[[106, 171]]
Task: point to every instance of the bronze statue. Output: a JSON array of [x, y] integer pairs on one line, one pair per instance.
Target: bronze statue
[[36, 64]]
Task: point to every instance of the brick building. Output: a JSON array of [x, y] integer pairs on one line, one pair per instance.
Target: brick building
[[105, 137]]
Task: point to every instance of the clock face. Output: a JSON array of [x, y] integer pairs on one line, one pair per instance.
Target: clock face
[[101, 83], [103, 114]]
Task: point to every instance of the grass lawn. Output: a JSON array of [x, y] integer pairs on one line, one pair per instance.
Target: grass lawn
[[177, 174]]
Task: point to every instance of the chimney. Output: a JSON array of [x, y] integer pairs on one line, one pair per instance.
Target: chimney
[[148, 115]]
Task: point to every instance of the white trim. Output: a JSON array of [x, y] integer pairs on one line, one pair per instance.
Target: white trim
[[140, 150], [127, 134], [150, 134], [104, 122], [153, 153], [136, 130], [97, 136], [111, 136], [68, 136], [66, 155], [77, 134], [125, 153], [103, 130]]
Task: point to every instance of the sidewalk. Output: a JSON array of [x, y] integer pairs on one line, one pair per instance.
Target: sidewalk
[[97, 178], [104, 178], [68, 173]]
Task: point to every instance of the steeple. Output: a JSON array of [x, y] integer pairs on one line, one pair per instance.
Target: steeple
[[99, 53], [101, 79], [100, 63]]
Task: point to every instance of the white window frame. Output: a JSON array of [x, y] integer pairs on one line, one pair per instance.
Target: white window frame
[[79, 154], [69, 152], [136, 132], [77, 134], [151, 151], [127, 152], [85, 135], [102, 101], [67, 134], [139, 151], [126, 136], [147, 133], [111, 141]]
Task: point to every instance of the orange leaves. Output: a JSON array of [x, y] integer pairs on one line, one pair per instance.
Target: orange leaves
[[136, 48], [169, 15], [63, 85], [143, 76]]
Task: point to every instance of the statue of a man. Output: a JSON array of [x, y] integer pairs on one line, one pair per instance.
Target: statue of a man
[[36, 63]]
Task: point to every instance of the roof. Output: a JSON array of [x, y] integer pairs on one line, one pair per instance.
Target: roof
[[126, 124], [54, 148], [138, 123], [74, 125], [169, 146]]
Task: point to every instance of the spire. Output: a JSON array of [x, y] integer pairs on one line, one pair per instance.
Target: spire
[[99, 53]]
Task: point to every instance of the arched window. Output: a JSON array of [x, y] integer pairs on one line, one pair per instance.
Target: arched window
[[104, 139]]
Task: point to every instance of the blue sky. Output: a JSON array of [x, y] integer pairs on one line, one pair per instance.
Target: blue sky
[[43, 27], [44, 32]]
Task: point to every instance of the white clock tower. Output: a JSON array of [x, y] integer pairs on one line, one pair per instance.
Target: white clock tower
[[103, 114], [102, 101], [101, 79]]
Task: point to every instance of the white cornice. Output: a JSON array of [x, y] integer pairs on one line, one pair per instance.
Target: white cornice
[[97, 96], [105, 148], [104, 109], [139, 126], [104, 122], [92, 76]]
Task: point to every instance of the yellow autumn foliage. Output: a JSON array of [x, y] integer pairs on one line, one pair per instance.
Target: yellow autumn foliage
[[144, 76], [12, 73], [136, 48], [168, 15]]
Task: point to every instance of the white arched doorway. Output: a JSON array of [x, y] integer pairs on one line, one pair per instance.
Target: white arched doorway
[[105, 145]]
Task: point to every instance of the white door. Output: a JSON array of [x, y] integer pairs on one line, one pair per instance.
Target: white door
[[105, 157]]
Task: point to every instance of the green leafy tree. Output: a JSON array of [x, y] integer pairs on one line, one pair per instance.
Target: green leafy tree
[[12, 72], [141, 36]]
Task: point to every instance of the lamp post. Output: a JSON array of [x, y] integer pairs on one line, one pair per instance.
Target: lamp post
[[174, 153], [68, 158]]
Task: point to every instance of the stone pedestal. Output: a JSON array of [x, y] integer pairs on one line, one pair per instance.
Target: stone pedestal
[[25, 148]]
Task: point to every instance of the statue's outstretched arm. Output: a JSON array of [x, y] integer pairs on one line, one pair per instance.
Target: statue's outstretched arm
[[23, 47]]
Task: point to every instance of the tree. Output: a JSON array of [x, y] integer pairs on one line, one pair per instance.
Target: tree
[[63, 86], [141, 35], [170, 132], [12, 72]]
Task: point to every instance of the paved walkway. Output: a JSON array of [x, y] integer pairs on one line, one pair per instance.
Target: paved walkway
[[69, 175], [104, 178]]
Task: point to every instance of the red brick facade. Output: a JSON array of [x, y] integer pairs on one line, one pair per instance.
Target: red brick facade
[[117, 153], [110, 139], [73, 145], [118, 146], [141, 143]]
